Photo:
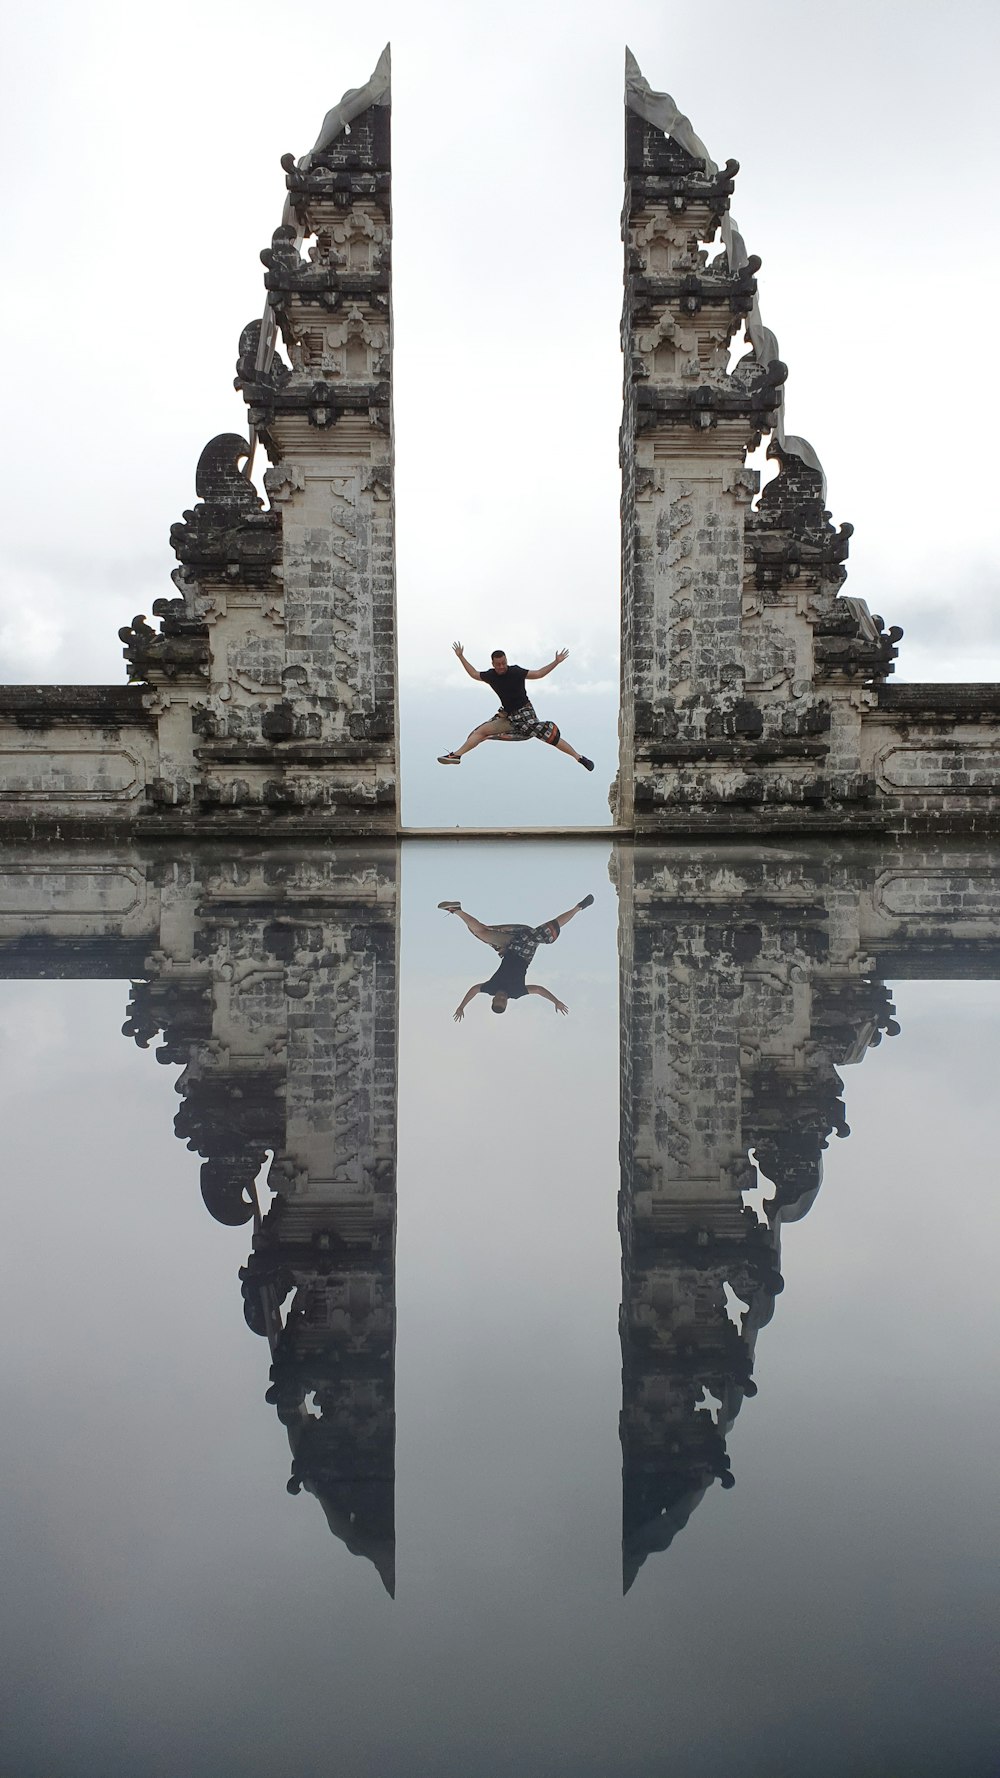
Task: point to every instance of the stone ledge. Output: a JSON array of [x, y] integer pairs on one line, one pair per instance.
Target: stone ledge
[[516, 833], [960, 703], [255, 822], [97, 706], [36, 957], [775, 818], [294, 753], [928, 959], [736, 752]]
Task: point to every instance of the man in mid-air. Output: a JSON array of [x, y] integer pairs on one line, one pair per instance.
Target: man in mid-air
[[516, 946], [515, 720]]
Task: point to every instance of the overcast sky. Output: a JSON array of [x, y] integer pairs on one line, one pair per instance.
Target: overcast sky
[[141, 179]]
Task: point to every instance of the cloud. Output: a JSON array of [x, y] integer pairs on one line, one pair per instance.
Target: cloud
[[60, 614]]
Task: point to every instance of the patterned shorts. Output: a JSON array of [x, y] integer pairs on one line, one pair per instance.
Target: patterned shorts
[[523, 941], [523, 725]]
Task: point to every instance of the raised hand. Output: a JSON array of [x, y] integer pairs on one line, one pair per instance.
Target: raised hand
[[561, 654], [459, 648]]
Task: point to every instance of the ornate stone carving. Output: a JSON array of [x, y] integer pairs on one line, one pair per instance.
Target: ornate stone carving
[[743, 671], [227, 534], [790, 539], [280, 649]]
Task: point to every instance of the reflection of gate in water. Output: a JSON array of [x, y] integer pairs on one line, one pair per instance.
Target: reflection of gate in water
[[746, 983], [272, 983]]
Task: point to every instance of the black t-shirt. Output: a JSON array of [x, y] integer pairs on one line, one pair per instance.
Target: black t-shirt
[[509, 978], [508, 686]]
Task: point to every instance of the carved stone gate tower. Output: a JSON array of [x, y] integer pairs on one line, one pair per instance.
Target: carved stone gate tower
[[753, 694], [265, 700]]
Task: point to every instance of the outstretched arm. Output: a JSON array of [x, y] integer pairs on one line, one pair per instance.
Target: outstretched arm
[[560, 1005], [473, 672], [459, 1012], [540, 672]]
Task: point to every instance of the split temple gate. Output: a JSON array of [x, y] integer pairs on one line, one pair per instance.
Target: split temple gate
[[755, 695], [755, 701]]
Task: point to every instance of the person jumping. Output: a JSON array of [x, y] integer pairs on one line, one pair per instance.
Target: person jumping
[[517, 946], [516, 719]]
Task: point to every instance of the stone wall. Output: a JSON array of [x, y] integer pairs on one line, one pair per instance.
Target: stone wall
[[263, 696], [69, 754], [753, 695]]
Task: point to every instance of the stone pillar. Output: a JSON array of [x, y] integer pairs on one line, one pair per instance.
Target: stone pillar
[[325, 419], [272, 678], [744, 678], [685, 488]]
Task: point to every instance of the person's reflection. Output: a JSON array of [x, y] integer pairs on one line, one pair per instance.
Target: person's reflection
[[516, 946]]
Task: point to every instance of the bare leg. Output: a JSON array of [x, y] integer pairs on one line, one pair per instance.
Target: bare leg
[[478, 928], [490, 935], [581, 758], [562, 920], [476, 739], [564, 747]]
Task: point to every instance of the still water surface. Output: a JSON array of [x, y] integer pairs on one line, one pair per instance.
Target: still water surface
[[821, 1335]]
